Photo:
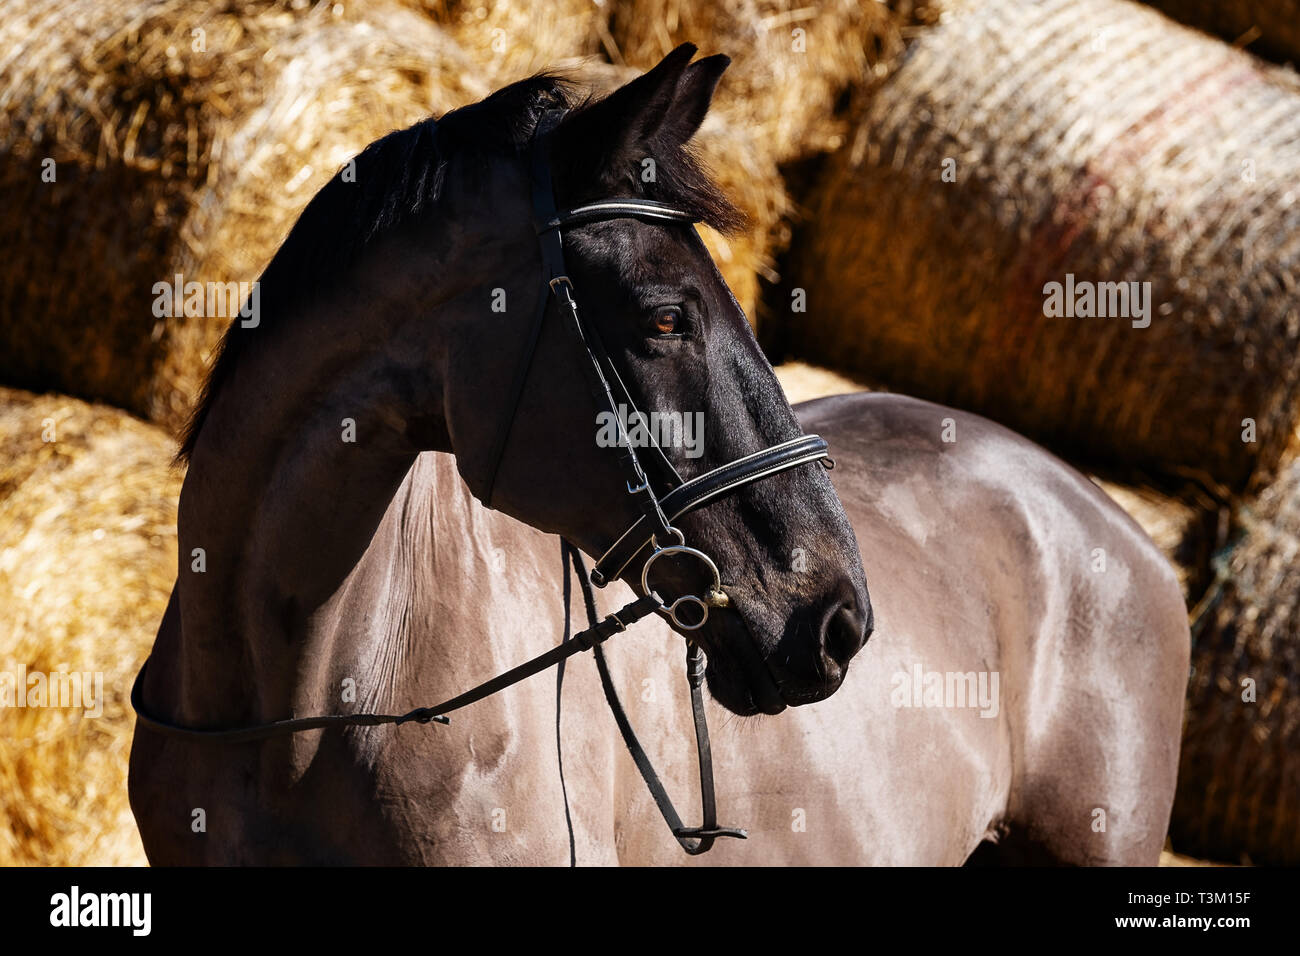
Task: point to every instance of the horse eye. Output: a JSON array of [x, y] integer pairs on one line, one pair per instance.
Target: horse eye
[[667, 320]]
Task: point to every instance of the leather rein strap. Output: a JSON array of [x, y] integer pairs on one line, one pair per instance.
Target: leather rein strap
[[653, 528], [598, 632]]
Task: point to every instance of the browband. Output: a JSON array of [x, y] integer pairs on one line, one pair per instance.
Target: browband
[[705, 488], [617, 209]]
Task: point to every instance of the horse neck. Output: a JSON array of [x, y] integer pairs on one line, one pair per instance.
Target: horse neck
[[299, 461]]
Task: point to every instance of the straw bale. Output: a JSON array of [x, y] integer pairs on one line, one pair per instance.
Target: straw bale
[[1175, 859], [1270, 28], [87, 561], [1239, 776], [733, 151], [178, 151], [1089, 138]]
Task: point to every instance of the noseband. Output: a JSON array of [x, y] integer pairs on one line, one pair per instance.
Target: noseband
[[652, 532]]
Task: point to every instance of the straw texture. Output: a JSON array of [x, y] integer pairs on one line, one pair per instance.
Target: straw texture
[[508, 40], [186, 136], [87, 561], [791, 61], [1239, 775], [1092, 139]]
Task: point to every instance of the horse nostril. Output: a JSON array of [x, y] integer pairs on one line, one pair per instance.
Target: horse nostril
[[844, 632]]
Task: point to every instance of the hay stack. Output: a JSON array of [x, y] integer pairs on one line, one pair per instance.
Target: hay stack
[[731, 148], [87, 561], [1239, 776], [803, 383], [1270, 28], [1093, 138], [173, 158]]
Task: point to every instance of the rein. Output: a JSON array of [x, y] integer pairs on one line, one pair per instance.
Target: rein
[[582, 641], [694, 840], [654, 528]]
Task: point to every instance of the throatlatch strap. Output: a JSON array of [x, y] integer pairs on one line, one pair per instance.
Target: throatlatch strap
[[694, 840], [550, 119]]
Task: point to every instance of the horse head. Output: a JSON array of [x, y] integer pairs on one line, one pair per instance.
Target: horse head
[[796, 607]]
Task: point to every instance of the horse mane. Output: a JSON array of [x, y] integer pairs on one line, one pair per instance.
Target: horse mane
[[399, 179]]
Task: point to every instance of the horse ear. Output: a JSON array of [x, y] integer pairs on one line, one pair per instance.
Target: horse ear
[[692, 100], [622, 126]]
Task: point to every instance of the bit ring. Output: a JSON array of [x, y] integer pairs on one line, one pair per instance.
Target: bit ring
[[686, 600]]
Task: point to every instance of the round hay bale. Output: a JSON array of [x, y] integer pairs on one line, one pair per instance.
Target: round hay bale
[[87, 562], [1022, 144], [182, 137], [734, 154], [1239, 775], [1270, 28]]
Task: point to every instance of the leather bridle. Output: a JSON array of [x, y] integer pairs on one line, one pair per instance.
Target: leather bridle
[[653, 530]]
